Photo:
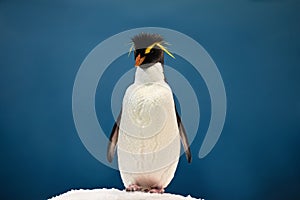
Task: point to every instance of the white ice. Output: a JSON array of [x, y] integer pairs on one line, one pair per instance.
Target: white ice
[[114, 194]]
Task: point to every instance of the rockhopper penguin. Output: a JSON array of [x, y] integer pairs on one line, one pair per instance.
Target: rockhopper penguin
[[148, 130]]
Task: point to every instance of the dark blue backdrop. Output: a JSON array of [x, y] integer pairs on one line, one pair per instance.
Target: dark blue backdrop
[[255, 44]]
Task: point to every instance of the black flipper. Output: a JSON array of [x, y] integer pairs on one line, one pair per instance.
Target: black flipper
[[113, 139], [184, 139]]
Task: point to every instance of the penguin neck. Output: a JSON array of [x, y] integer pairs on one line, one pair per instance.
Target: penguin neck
[[154, 73]]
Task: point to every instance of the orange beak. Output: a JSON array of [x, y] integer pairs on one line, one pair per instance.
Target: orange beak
[[139, 60]]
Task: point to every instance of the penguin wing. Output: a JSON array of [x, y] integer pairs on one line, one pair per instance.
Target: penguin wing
[[184, 139], [113, 139]]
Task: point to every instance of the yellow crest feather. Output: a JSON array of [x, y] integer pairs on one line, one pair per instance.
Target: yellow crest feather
[[131, 48], [148, 49], [165, 50]]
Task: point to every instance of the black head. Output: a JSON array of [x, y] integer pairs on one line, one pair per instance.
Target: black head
[[148, 49]]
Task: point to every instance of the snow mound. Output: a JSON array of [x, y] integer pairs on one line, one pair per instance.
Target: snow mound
[[114, 194]]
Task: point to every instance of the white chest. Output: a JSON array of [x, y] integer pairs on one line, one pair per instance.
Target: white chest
[[146, 110]]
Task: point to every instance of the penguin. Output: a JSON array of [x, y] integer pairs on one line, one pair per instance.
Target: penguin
[[148, 130]]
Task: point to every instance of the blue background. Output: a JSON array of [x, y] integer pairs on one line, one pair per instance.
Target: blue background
[[255, 45]]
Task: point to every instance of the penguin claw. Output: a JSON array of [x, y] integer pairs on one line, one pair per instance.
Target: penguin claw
[[145, 190], [133, 188], [157, 190]]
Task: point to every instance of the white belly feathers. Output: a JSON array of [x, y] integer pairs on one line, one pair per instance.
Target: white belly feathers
[[149, 142]]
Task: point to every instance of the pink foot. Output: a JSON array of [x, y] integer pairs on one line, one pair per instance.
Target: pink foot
[[157, 190], [133, 187]]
